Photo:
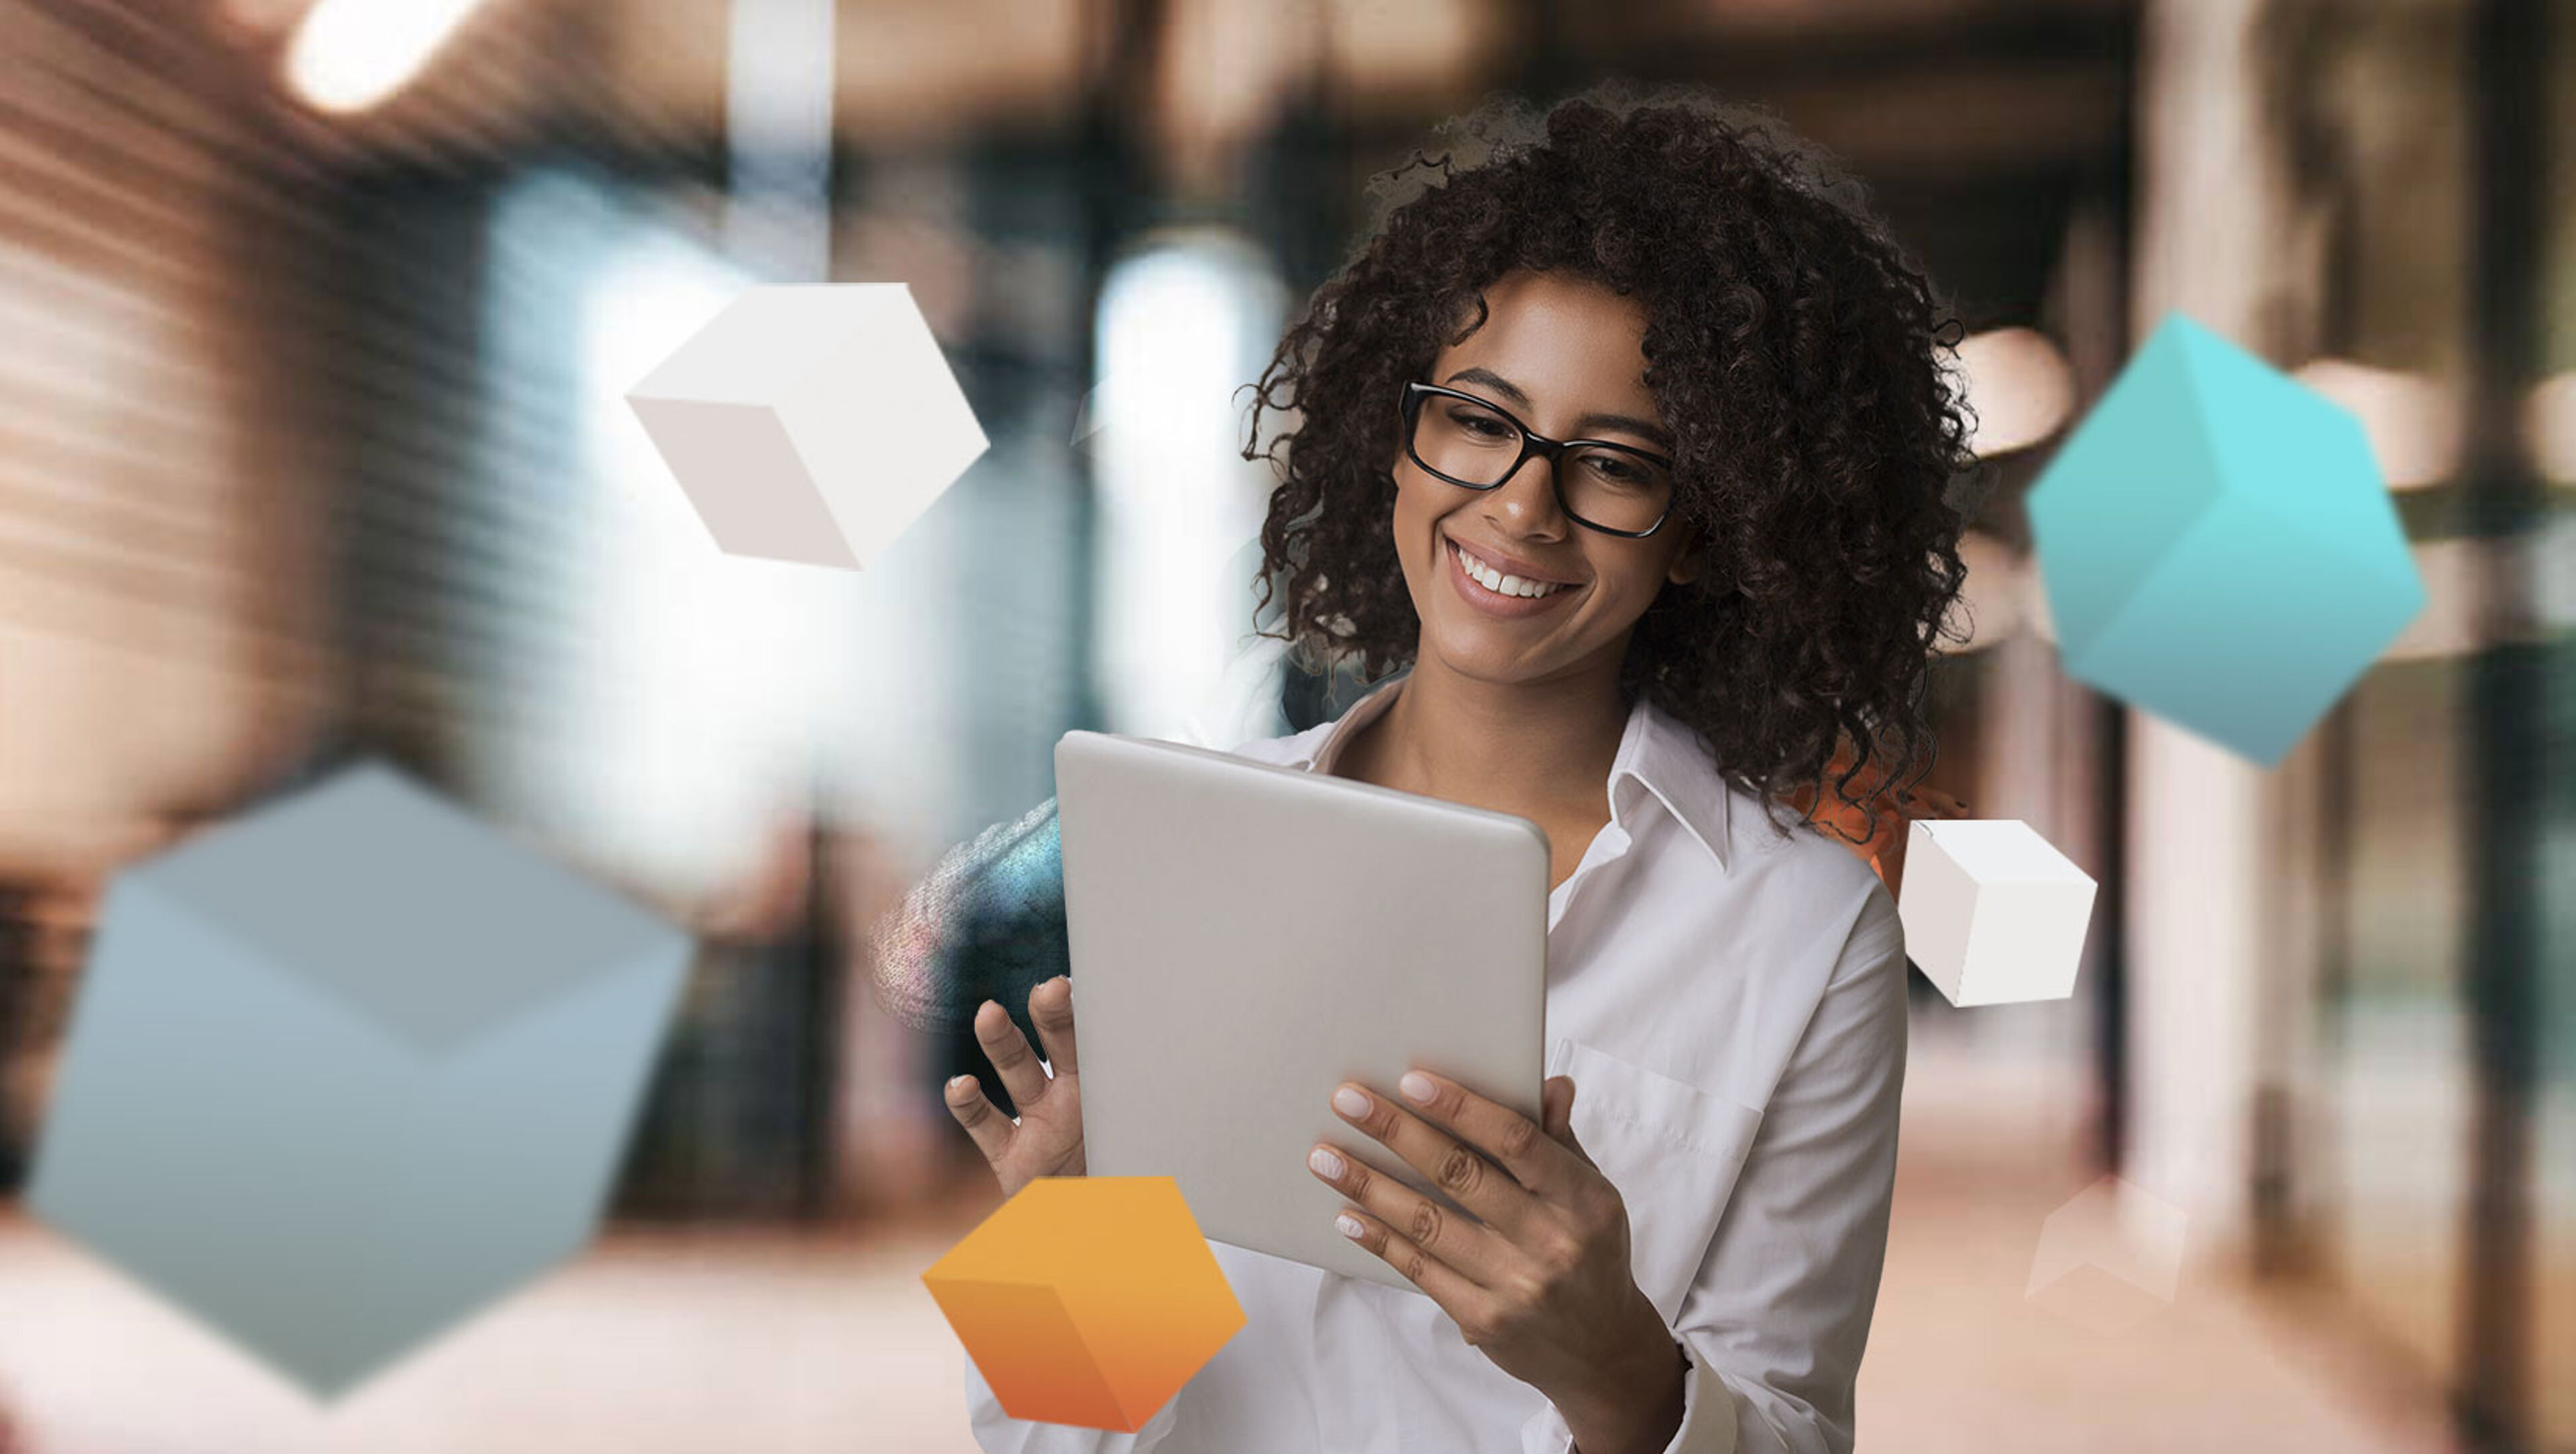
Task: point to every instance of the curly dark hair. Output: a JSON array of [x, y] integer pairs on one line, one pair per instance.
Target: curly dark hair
[[1794, 350]]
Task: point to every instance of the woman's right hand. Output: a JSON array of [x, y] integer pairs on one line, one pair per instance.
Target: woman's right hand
[[1046, 1140]]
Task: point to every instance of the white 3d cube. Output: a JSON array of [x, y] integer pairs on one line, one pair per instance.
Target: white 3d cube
[[1992, 913], [811, 423]]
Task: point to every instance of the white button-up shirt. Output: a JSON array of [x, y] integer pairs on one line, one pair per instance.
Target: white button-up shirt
[[1730, 1001]]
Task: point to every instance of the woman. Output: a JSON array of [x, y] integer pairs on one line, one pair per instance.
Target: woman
[[1643, 641]]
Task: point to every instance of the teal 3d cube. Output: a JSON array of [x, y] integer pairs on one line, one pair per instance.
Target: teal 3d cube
[[2218, 545], [348, 1068]]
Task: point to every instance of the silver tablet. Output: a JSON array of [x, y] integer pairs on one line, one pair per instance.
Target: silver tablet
[[1244, 937]]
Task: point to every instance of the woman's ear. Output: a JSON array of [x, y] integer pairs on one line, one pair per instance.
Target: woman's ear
[[1690, 560]]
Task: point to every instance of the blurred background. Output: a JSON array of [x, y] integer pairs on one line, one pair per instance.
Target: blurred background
[[315, 318]]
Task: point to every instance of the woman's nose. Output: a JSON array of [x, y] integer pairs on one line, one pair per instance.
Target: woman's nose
[[1528, 499]]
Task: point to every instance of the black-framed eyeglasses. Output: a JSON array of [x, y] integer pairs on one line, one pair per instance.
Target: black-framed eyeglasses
[[1616, 489]]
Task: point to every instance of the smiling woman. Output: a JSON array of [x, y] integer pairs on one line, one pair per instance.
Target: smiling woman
[[1621, 458]]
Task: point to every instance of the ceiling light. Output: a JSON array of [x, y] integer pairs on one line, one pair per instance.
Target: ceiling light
[[349, 55]]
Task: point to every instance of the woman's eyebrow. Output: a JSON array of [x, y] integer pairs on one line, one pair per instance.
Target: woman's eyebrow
[[1585, 427]]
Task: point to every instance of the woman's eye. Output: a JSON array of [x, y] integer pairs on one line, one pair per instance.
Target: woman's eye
[[1478, 424], [1617, 471]]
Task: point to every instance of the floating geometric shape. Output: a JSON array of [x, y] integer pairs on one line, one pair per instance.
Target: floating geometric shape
[[1163, 403], [2218, 546], [1087, 1300], [2109, 1259], [1092, 414], [987, 923], [1992, 912], [811, 423], [348, 1068]]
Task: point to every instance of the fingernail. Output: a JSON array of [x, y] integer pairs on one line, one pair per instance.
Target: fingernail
[[1325, 1161], [1416, 1086], [1348, 1225], [1350, 1101]]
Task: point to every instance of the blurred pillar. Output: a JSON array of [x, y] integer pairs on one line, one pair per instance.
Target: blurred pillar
[[1546, 65], [2091, 308], [2199, 871], [1115, 181], [2040, 762], [17, 994], [889, 1121], [778, 137], [1116, 187], [2508, 717]]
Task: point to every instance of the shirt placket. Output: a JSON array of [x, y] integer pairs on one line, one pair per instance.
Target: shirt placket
[[1608, 846], [1355, 1408]]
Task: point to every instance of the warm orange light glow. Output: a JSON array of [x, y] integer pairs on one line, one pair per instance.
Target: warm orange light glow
[[2412, 421], [2549, 422], [1993, 603], [2020, 386], [349, 55]]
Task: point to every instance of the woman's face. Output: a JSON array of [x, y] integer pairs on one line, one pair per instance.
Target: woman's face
[[1567, 358]]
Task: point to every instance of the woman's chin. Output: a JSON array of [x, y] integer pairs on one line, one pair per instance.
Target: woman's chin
[[1482, 656]]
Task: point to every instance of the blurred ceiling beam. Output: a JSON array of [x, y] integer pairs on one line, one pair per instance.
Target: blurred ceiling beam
[[1963, 120], [1231, 67], [908, 72], [1827, 24], [1945, 87]]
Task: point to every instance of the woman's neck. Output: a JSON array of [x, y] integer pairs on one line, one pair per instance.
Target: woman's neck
[[1533, 748]]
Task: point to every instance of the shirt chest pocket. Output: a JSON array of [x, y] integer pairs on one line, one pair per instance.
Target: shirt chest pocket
[[1671, 1149]]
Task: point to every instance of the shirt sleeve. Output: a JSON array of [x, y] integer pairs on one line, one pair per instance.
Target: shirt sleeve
[[998, 1433], [1775, 1322]]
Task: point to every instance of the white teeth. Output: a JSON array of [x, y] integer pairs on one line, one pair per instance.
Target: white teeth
[[1495, 581]]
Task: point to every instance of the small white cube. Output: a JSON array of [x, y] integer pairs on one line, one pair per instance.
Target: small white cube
[[811, 423], [1993, 914]]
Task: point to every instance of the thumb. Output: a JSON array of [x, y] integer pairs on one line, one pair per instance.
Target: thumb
[[1556, 1112]]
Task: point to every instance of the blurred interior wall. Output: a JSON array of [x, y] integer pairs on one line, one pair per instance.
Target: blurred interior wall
[[2348, 984], [166, 559], [163, 566]]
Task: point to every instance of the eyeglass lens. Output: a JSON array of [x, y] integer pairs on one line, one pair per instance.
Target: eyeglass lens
[[1600, 484]]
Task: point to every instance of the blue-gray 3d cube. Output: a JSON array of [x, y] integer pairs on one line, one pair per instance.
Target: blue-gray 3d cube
[[2218, 545], [349, 1068]]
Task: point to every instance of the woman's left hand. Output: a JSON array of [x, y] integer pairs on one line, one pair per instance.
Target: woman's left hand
[[1538, 1278]]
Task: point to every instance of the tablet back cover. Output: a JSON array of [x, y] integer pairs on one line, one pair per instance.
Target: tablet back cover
[[1246, 936]]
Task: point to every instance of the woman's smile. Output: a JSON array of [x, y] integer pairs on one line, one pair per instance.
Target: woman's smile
[[1491, 586]]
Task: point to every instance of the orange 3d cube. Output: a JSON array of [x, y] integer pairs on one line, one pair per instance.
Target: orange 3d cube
[[1087, 1300]]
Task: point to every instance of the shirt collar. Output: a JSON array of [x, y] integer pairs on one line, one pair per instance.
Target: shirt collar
[[1666, 756], [1656, 751]]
